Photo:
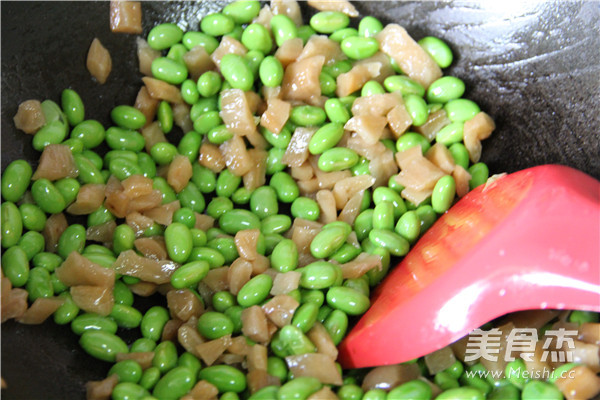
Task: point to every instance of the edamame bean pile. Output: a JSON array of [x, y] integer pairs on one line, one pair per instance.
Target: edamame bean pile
[[313, 156]]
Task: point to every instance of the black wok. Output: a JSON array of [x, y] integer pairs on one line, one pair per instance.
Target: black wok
[[534, 66]]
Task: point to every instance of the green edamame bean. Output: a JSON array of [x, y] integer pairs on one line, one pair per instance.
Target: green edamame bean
[[127, 371], [346, 299], [285, 186], [153, 322], [186, 217], [54, 132], [128, 390], [427, 216], [122, 294], [450, 134], [32, 243], [241, 196], [257, 37], [236, 220], [255, 290], [305, 316], [242, 11], [329, 21], [359, 47], [275, 224], [443, 194], [57, 286], [175, 383], [324, 312], [281, 140], [412, 139], [413, 390], [306, 208], [390, 241], [277, 367], [346, 253], [382, 194], [461, 110], [369, 27], [12, 223], [361, 285], [143, 345], [102, 259], [284, 257], [90, 321], [222, 300], [46, 196], [312, 296], [235, 315], [193, 39], [217, 24], [15, 180], [417, 108], [124, 139], [274, 163], [163, 36], [438, 50], [211, 256], [102, 345], [393, 183], [90, 132], [124, 154], [363, 224], [129, 117], [445, 381], [295, 341], [460, 154], [299, 388], [350, 391], [305, 32], [336, 111], [206, 122], [190, 361], [72, 106], [191, 198], [375, 394], [328, 241], [383, 216], [94, 159], [176, 53], [164, 113], [72, 239], [506, 392], [236, 72], [165, 356], [462, 393], [40, 283], [189, 145], [32, 217], [326, 138], [126, 316], [404, 85], [445, 89], [198, 237], [409, 226], [209, 83], [122, 168], [582, 317], [213, 325], [149, 378], [263, 202], [15, 265], [67, 311], [123, 238], [99, 216], [189, 92], [479, 175], [283, 28], [225, 377], [227, 183], [307, 116], [49, 261], [370, 88], [327, 83], [178, 240], [361, 167], [189, 274], [318, 275], [342, 34]]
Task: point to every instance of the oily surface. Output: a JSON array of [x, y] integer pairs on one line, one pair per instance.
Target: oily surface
[[533, 68]]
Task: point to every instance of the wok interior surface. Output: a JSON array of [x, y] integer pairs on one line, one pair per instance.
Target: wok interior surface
[[533, 66]]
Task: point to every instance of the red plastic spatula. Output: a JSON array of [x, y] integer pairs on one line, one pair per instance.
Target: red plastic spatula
[[529, 240]]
